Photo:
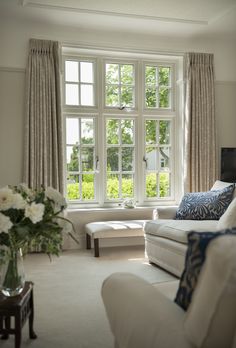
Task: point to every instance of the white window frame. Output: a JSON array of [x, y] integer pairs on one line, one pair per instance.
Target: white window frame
[[140, 113], [119, 62], [120, 146], [162, 64]]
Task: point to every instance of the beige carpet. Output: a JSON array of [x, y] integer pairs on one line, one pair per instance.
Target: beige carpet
[[69, 310]]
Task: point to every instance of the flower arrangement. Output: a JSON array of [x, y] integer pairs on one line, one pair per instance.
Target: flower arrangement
[[31, 218], [129, 203]]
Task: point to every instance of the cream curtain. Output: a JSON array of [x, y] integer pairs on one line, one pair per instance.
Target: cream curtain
[[201, 164], [43, 150]]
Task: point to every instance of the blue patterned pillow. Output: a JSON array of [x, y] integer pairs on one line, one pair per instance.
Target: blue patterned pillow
[[194, 260], [205, 205]]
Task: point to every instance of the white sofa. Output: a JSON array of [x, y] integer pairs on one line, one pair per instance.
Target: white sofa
[[166, 238], [141, 316]]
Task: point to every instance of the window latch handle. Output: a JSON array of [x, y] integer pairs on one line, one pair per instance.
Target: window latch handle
[[145, 160], [97, 164]]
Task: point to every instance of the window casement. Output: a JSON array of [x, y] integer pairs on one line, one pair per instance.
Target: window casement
[[121, 117], [120, 158], [79, 82], [158, 86], [81, 158], [119, 85], [158, 159]]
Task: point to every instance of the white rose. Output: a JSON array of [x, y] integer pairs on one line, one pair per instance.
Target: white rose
[[6, 198], [18, 201], [34, 212], [5, 223], [24, 188], [55, 196]]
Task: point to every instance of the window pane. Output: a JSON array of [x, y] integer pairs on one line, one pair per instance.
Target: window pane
[[164, 132], [127, 131], [72, 131], [88, 186], [164, 76], [73, 187], [164, 99], [164, 158], [151, 132], [72, 157], [87, 131], [151, 156], [127, 74], [112, 132], [86, 72], [112, 186], [86, 95], [127, 96], [151, 98], [127, 186], [127, 158], [112, 159], [72, 95], [164, 184], [112, 73], [112, 96], [151, 185], [72, 71], [151, 75], [87, 159]]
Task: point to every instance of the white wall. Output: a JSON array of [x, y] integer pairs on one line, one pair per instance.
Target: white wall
[[14, 37]]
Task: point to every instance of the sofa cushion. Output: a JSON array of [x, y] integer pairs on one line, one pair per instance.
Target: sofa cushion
[[228, 219], [216, 292], [195, 257], [205, 205], [177, 230], [219, 185]]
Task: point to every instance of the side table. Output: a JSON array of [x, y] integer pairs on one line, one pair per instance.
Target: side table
[[20, 307]]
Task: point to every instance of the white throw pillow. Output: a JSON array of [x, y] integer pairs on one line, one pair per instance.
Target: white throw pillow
[[228, 219], [219, 185]]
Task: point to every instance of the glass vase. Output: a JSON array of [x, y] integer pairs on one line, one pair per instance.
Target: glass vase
[[12, 274]]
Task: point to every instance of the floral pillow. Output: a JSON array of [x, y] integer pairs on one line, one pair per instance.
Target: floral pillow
[[194, 260], [209, 205]]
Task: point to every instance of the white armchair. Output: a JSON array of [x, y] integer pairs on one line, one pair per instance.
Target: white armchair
[[141, 316]]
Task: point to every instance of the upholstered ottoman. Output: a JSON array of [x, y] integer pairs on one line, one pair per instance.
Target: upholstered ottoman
[[112, 229]]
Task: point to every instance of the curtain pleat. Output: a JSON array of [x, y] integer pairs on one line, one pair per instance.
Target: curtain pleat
[[201, 160], [43, 149]]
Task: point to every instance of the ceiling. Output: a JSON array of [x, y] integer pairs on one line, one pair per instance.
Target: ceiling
[[175, 18]]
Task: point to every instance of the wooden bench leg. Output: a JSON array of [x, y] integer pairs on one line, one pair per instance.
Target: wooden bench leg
[[96, 247], [88, 241]]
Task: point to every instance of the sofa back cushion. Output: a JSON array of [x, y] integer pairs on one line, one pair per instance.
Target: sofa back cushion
[[219, 185], [228, 219], [209, 205], [211, 317]]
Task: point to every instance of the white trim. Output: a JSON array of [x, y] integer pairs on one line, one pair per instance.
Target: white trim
[[114, 13], [12, 69], [77, 48], [225, 83]]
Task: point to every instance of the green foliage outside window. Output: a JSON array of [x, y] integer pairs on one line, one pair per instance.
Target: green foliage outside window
[[120, 92], [112, 188]]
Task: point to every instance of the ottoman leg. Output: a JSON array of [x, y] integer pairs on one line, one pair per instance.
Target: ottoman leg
[[96, 247], [88, 241]]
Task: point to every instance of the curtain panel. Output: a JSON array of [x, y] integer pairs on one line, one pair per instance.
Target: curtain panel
[[43, 148], [201, 159]]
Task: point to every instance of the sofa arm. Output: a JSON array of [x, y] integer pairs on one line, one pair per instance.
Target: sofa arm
[[141, 316], [216, 291], [164, 212]]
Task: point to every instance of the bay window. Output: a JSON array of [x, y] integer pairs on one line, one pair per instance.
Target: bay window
[[122, 129]]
